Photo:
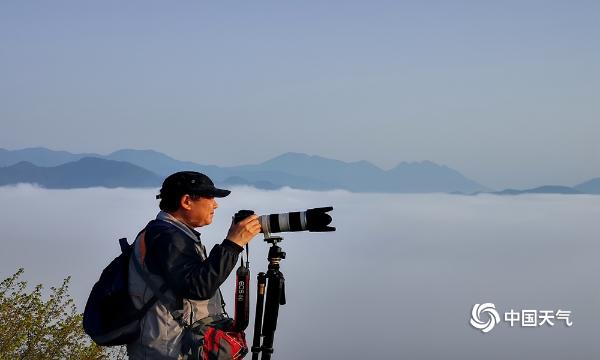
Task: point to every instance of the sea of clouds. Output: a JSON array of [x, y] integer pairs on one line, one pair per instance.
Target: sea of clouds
[[397, 280]]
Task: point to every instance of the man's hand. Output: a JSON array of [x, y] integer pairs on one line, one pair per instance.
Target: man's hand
[[242, 232]]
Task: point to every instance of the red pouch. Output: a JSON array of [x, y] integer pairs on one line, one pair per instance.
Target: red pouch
[[220, 344]]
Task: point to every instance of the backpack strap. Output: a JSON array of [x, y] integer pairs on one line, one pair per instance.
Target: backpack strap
[[128, 248], [159, 293]]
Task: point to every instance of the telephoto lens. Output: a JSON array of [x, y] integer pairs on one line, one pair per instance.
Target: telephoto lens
[[313, 220]]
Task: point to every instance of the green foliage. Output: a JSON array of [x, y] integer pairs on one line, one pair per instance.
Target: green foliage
[[34, 328]]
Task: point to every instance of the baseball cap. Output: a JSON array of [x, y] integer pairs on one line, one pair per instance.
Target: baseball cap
[[191, 183]]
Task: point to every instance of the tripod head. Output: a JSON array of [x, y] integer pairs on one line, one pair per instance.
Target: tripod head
[[273, 240], [276, 254]]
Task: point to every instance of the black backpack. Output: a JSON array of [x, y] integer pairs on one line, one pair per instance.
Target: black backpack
[[110, 317]]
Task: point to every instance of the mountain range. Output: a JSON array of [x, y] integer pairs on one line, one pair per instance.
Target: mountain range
[[146, 168]]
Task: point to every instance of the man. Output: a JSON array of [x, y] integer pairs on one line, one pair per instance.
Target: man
[[173, 258]]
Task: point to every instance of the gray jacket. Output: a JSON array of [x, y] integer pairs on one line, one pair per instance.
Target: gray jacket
[[171, 253]]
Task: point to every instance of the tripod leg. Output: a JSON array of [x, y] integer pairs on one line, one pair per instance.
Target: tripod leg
[[275, 297], [258, 319]]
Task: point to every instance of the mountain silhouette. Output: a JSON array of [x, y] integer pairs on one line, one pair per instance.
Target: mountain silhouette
[[590, 187], [83, 173], [363, 176], [296, 170], [39, 156], [546, 189]]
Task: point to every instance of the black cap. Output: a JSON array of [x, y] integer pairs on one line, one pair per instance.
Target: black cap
[[191, 183]]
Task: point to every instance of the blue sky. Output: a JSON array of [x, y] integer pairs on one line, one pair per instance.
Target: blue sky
[[505, 92]]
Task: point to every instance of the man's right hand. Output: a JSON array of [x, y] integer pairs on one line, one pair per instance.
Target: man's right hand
[[242, 232]]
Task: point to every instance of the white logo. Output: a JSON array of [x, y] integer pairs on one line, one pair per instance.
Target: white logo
[[522, 318], [493, 317]]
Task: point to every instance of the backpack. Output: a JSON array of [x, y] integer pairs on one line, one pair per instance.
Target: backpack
[[110, 318]]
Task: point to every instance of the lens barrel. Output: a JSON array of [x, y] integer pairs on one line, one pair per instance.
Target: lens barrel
[[313, 220]]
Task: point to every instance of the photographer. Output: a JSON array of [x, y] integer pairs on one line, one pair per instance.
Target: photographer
[[171, 255]]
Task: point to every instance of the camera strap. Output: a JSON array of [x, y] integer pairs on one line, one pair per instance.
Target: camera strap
[[242, 294]]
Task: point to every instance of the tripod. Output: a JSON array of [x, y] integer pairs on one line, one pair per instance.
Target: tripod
[[274, 284]]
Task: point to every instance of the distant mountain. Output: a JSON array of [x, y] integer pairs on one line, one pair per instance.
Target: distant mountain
[[291, 169], [154, 161], [162, 164], [589, 187], [83, 173], [38, 156], [426, 176], [295, 170], [323, 173], [237, 175], [547, 189], [362, 176]]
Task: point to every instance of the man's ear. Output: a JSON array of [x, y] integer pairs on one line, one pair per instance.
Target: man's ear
[[186, 202]]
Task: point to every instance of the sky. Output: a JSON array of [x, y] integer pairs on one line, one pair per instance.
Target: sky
[[505, 92], [399, 285]]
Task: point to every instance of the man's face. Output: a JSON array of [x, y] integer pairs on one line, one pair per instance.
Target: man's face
[[201, 211]]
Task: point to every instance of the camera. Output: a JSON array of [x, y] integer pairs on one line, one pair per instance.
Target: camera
[[313, 220]]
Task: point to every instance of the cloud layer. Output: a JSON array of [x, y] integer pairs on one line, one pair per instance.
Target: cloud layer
[[397, 279]]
